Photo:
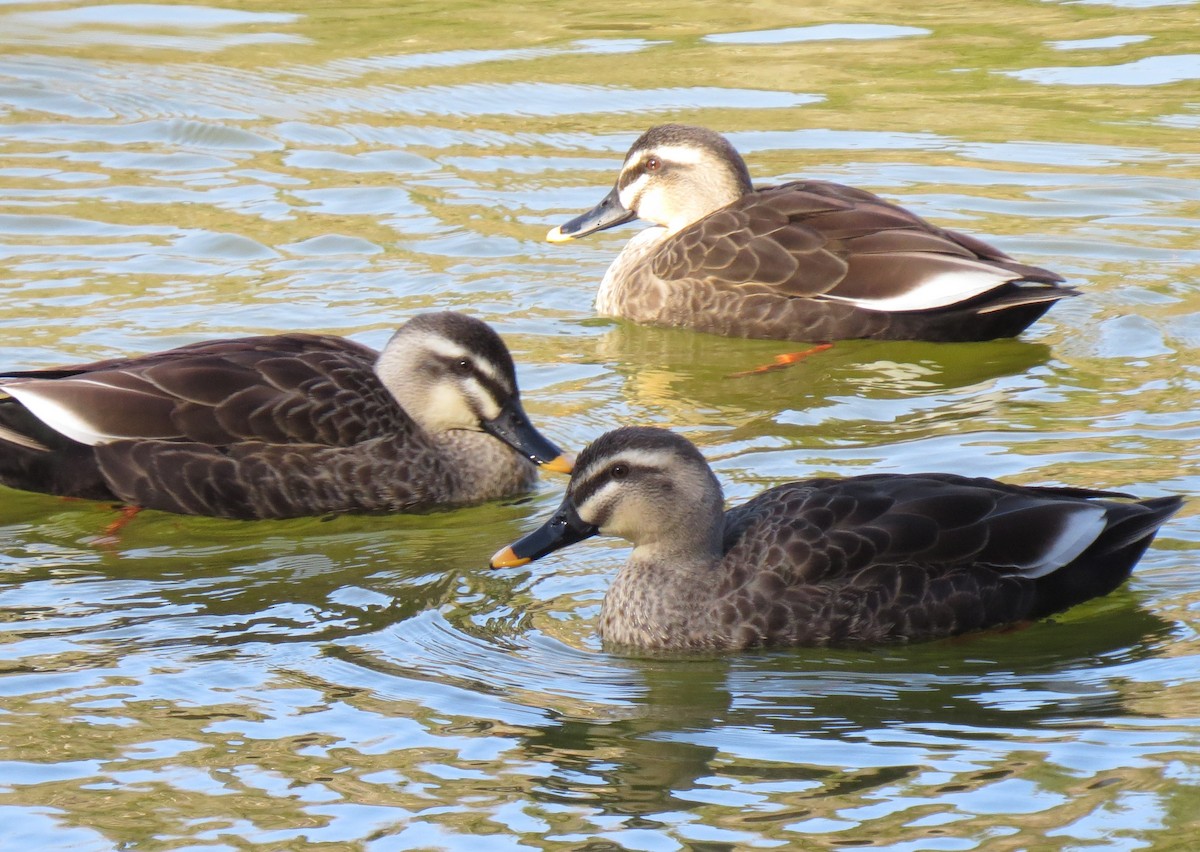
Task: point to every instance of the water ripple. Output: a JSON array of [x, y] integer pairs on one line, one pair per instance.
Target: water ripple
[[1150, 71]]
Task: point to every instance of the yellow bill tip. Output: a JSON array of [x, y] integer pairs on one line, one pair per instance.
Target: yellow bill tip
[[506, 558], [562, 464], [556, 235]]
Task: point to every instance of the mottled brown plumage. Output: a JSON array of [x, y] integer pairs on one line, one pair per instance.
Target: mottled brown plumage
[[807, 260], [867, 559], [280, 426]]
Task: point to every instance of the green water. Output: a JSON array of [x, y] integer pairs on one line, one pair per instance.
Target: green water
[[172, 173]]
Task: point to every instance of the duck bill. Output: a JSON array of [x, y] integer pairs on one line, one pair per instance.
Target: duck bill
[[564, 528], [608, 213], [512, 426]]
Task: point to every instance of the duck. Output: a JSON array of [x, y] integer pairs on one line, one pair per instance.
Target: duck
[[874, 559], [281, 426], [805, 260]]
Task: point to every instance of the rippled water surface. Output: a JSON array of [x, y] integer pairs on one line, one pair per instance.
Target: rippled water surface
[[172, 173]]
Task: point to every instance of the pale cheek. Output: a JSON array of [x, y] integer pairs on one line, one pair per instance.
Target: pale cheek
[[630, 195], [649, 209], [628, 518], [485, 405], [446, 409], [599, 509], [653, 207]]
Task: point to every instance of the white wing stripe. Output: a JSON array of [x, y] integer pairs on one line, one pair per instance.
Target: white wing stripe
[[59, 417], [938, 291], [1077, 535]]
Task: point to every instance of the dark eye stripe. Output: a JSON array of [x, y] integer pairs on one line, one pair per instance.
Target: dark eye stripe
[[636, 172], [498, 392], [588, 487]]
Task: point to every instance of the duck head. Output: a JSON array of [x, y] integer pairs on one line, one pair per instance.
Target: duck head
[[646, 485], [451, 371], [674, 175]]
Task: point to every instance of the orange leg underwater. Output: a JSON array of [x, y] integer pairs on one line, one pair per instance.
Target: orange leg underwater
[[783, 361]]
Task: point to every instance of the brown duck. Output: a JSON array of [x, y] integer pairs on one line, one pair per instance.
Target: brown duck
[[281, 426], [806, 260], [867, 559]]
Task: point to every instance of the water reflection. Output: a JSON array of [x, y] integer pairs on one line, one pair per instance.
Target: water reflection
[[1150, 71], [133, 25], [824, 32], [858, 392], [828, 729]]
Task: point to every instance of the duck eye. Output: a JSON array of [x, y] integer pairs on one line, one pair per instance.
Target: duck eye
[[619, 471], [653, 164], [463, 365]]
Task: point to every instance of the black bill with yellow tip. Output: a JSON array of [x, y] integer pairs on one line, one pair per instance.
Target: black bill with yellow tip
[[565, 527], [608, 213], [512, 426]]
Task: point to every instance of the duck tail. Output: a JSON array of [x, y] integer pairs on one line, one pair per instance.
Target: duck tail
[[1139, 527], [1108, 562]]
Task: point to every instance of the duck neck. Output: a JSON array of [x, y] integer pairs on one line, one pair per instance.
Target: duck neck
[[709, 193], [621, 283], [687, 546], [479, 467], [658, 605], [659, 598]]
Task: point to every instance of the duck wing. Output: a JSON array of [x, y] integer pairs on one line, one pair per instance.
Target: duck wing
[[820, 240], [291, 388], [830, 529], [255, 480], [905, 557]]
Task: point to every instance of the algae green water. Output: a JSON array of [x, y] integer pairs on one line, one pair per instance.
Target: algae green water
[[171, 173]]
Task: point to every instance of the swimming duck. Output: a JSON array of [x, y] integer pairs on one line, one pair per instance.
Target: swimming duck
[[281, 426], [868, 559], [806, 260]]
